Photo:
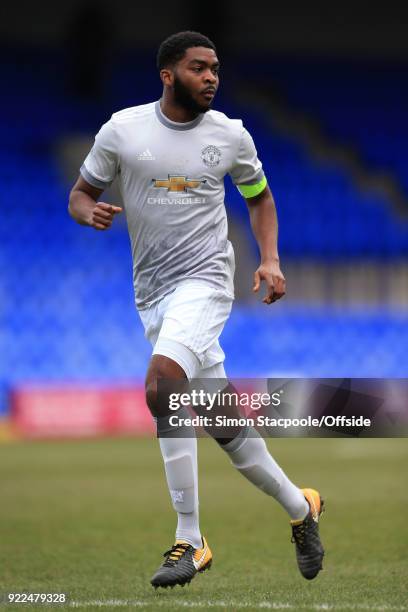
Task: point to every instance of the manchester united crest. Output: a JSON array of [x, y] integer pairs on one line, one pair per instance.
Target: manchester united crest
[[211, 156]]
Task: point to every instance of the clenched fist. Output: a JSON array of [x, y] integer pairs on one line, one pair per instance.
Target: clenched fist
[[102, 215]]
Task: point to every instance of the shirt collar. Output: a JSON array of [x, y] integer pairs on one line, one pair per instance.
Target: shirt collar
[[174, 125]]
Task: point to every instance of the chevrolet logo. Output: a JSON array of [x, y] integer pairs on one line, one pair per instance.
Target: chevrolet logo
[[177, 183]]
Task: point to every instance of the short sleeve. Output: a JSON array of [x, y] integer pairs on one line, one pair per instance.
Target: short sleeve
[[247, 173], [101, 165]]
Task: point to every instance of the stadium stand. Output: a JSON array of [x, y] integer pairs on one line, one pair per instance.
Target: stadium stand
[[359, 104], [66, 302]]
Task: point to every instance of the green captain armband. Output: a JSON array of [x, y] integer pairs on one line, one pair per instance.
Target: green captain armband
[[250, 191]]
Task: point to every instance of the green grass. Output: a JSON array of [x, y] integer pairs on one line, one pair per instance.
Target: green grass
[[92, 519]]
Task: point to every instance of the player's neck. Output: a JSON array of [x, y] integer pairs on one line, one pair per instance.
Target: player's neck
[[175, 112]]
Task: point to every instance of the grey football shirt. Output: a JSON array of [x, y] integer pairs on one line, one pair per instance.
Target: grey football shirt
[[171, 177]]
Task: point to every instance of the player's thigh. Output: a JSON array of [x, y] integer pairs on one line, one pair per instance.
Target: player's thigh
[[194, 318], [152, 319], [171, 349], [161, 366]]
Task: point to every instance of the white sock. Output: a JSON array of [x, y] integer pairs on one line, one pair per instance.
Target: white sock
[[180, 462], [249, 454]]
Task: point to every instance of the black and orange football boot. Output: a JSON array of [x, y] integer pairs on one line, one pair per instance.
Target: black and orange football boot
[[305, 534], [182, 563]]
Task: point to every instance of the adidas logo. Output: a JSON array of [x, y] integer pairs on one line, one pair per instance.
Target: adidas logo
[[145, 156]]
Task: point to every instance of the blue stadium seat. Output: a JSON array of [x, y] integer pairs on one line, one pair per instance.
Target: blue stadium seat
[[66, 297]]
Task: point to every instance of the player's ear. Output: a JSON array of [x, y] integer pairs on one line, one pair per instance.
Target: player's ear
[[167, 77]]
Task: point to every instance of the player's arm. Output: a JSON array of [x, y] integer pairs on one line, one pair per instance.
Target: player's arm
[[98, 171], [264, 223], [248, 176], [86, 210]]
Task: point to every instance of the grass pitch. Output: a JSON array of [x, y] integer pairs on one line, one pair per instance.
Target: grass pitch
[[92, 518]]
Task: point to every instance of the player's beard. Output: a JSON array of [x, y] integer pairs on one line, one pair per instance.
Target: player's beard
[[183, 97]]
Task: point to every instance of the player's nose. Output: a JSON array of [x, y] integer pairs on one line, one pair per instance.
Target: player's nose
[[210, 77]]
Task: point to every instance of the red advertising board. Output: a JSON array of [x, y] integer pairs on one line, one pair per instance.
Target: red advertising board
[[72, 411]]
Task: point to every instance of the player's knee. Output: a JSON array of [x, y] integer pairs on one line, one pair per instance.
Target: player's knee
[[157, 386], [157, 399], [151, 397]]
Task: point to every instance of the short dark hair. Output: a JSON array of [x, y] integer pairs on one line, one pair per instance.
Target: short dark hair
[[174, 47]]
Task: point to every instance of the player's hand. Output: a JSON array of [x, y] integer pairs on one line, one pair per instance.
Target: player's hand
[[270, 272], [102, 215]]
